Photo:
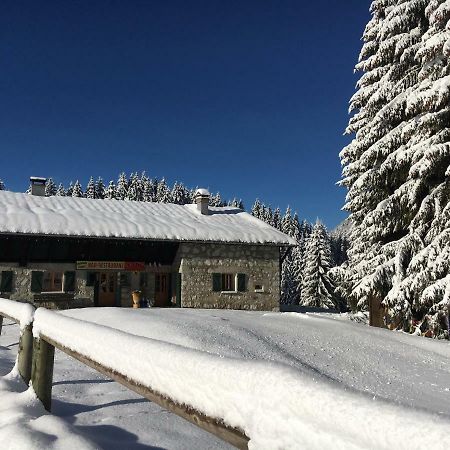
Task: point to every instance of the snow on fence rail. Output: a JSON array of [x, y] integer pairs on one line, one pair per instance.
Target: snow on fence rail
[[21, 313], [276, 406]]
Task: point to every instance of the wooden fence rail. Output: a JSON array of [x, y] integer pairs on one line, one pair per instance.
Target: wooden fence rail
[[25, 352]]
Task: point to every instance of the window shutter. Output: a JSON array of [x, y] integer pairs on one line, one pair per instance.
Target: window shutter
[[6, 282], [36, 281], [241, 282], [90, 279], [216, 282], [69, 281]]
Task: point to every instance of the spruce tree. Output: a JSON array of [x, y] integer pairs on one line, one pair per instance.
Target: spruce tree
[[317, 288], [69, 190], [99, 188], [163, 194], [61, 192], [395, 168], [110, 191], [90, 189], [2, 185], [121, 187], [50, 187], [77, 190], [134, 192], [257, 209]]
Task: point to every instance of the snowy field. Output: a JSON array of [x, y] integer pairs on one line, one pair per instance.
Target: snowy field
[[339, 356]]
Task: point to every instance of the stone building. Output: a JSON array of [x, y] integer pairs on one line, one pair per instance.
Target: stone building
[[64, 252]]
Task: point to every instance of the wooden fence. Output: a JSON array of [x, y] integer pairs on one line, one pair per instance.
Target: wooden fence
[[36, 362], [25, 352]]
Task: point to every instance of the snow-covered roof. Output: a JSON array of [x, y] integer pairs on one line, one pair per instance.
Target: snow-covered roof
[[69, 216]]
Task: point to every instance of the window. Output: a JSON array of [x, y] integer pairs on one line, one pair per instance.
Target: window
[[229, 282], [6, 281], [49, 281], [259, 287], [52, 282]]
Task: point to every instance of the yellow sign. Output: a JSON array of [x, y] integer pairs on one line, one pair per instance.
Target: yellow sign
[[132, 266]]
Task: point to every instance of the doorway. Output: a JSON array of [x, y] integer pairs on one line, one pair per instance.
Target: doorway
[[162, 289], [107, 286]]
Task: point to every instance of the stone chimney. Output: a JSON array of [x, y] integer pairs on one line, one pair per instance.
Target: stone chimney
[[202, 200], [38, 186]]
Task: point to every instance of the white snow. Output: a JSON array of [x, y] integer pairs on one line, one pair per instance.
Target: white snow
[[69, 216], [25, 425], [21, 312], [258, 372]]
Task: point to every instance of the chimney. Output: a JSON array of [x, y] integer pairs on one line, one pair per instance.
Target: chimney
[[202, 200], [38, 186]]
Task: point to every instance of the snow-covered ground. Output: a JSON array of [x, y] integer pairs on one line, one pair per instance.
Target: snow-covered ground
[[340, 356]]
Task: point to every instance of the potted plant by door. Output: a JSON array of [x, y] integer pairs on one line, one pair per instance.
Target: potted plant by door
[[136, 295]]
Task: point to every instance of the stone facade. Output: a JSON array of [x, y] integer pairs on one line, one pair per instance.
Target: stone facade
[[196, 262], [82, 296], [259, 263]]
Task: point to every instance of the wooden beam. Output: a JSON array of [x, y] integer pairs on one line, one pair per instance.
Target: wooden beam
[[25, 356], [234, 436], [42, 371]]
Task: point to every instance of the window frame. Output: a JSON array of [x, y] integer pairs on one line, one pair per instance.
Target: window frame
[[53, 273]]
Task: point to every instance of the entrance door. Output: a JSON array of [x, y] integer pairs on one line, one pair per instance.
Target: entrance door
[[161, 289], [107, 289]]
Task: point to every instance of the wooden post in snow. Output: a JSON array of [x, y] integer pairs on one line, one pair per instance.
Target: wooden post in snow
[[1, 324], [42, 372], [25, 357]]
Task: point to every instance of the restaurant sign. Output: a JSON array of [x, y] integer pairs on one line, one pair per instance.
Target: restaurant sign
[[131, 266]]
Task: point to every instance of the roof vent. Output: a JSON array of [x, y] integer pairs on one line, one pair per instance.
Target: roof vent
[[38, 186], [202, 200]]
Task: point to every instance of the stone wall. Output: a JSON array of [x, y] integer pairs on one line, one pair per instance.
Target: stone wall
[[81, 297], [260, 264]]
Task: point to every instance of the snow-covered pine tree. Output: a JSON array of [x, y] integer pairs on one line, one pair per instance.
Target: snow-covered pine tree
[[61, 192], [134, 192], [50, 187], [121, 187], [77, 190], [2, 185], [179, 194], [163, 194], [276, 220], [99, 188], [90, 189], [289, 274], [257, 209], [396, 168], [69, 190], [110, 191], [317, 288], [147, 189], [215, 200]]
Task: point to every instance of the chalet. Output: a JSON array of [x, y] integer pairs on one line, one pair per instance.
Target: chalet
[[65, 252]]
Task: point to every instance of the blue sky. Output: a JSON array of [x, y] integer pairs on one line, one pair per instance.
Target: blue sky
[[248, 98]]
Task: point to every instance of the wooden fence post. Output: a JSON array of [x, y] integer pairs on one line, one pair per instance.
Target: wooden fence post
[[1, 324], [25, 357], [42, 373]]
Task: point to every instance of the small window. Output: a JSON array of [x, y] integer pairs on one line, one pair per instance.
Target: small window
[[52, 282], [228, 282], [6, 281], [259, 287]]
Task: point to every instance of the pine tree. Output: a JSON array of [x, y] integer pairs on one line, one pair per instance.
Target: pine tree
[[179, 195], [121, 187], [146, 188], [216, 200], [2, 185], [61, 192], [257, 209], [77, 190], [395, 168], [69, 190], [163, 194], [318, 289], [99, 188], [134, 192], [110, 191], [50, 187], [90, 189]]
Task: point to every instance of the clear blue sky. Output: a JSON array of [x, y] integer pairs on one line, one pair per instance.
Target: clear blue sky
[[245, 97]]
